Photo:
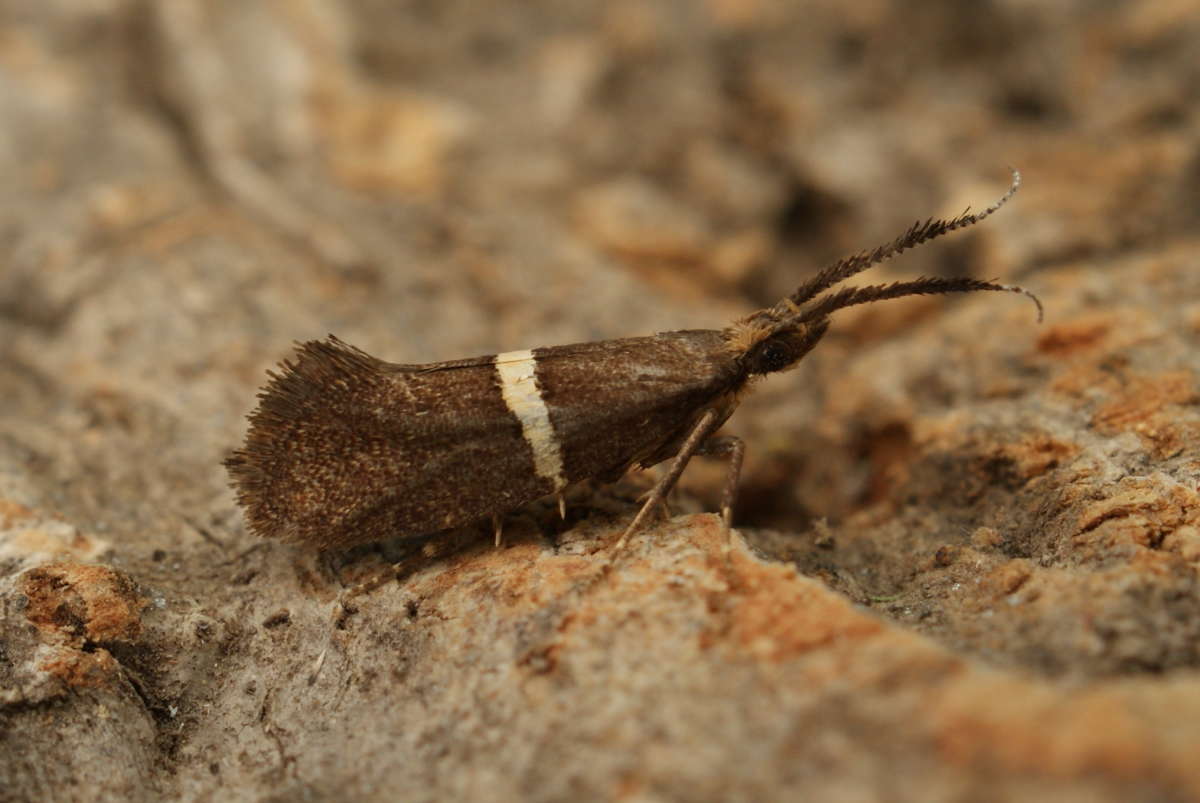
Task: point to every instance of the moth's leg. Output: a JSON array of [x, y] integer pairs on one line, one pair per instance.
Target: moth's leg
[[732, 448], [342, 609], [498, 529], [703, 428], [664, 506], [562, 506]]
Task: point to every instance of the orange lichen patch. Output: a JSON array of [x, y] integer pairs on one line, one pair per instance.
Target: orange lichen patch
[[1141, 513], [1014, 725], [1071, 337], [516, 579], [526, 569], [12, 513], [1168, 505], [81, 669], [540, 586], [1144, 406], [75, 605], [541, 579], [1084, 377], [1147, 406], [1155, 562], [1009, 577], [1036, 454], [80, 601], [777, 616], [1145, 397], [1184, 542]]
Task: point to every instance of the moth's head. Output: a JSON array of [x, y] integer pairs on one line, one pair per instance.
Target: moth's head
[[776, 338], [767, 347]]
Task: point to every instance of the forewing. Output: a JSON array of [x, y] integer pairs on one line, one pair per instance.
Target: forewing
[[620, 402], [347, 449]]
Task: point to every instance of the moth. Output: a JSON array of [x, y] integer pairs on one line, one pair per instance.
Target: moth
[[345, 449]]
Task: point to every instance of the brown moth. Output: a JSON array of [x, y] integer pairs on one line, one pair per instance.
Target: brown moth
[[346, 449]]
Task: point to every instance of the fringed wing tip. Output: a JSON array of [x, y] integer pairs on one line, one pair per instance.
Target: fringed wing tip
[[303, 389], [319, 369]]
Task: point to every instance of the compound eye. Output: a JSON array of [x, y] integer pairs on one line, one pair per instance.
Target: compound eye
[[774, 357]]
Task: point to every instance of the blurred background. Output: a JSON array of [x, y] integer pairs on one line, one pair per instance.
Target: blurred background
[[189, 186]]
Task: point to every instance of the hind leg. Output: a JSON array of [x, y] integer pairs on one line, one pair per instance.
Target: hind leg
[[733, 449]]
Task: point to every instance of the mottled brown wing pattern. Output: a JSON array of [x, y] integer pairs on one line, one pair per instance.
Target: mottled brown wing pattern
[[616, 403], [347, 449]]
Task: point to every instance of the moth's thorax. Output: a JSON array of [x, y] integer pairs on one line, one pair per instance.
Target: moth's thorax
[[745, 333]]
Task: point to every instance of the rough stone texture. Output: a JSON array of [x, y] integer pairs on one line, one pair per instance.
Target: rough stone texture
[[968, 553]]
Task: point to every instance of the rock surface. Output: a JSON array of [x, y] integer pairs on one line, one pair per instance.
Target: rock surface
[[967, 550]]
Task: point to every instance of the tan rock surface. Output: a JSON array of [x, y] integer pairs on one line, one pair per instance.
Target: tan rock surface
[[968, 551]]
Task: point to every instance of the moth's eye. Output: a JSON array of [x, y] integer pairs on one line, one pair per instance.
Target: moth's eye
[[774, 356]]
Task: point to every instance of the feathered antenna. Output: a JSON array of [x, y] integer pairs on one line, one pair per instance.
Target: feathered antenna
[[850, 296], [800, 307], [920, 232]]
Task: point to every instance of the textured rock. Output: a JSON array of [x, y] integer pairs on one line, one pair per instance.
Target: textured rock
[[968, 546]]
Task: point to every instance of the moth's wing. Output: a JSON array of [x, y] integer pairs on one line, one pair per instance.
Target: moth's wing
[[620, 402], [345, 448]]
